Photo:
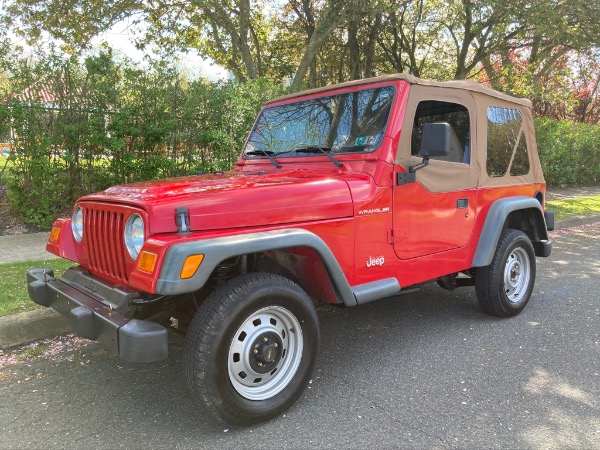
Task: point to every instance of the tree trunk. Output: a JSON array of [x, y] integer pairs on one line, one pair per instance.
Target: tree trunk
[[332, 18], [353, 51]]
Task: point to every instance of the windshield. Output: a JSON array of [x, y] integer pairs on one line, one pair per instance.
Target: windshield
[[342, 123]]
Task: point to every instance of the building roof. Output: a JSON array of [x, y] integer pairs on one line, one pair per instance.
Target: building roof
[[49, 93]]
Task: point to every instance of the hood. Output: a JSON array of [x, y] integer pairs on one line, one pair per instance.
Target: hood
[[236, 199]]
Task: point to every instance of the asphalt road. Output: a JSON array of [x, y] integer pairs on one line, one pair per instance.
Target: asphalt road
[[425, 370]]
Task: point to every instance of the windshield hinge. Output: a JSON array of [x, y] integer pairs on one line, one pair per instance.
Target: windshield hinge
[[182, 219]]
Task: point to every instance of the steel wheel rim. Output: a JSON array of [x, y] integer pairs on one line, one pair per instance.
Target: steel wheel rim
[[279, 326], [517, 273]]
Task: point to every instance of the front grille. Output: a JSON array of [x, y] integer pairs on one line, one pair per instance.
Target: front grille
[[103, 233]]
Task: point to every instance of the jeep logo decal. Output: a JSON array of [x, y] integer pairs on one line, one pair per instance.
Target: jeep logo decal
[[372, 262]]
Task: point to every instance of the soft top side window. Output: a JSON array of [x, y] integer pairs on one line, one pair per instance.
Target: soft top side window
[[506, 143], [433, 111]]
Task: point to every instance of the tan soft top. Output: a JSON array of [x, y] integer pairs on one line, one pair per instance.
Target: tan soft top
[[468, 85]]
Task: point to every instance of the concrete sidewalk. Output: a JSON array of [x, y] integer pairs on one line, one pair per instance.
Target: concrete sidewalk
[[31, 326], [571, 192], [24, 247]]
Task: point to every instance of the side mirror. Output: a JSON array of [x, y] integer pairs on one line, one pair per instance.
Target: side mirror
[[436, 140]]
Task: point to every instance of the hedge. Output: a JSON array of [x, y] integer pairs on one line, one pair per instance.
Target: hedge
[[569, 152], [99, 123]]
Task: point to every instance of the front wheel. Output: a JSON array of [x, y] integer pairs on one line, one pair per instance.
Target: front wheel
[[504, 287], [251, 348]]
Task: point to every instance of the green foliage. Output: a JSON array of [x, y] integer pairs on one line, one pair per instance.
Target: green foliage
[[569, 152], [100, 123]]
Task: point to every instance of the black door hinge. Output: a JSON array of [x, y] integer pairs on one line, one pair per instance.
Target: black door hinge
[[405, 178]]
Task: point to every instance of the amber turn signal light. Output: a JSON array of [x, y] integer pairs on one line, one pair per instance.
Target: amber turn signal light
[[147, 261], [54, 234], [190, 266]]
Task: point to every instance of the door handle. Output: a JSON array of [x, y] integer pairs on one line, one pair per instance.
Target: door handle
[[462, 203]]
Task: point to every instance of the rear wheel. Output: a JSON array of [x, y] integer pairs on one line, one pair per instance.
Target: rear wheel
[[504, 287], [251, 348]]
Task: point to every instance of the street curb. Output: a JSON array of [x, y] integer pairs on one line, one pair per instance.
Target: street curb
[[577, 221], [27, 327]]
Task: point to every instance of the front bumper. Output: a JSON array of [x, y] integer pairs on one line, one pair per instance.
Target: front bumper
[[134, 340]]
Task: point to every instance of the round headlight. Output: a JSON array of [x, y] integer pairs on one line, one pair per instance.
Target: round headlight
[[77, 224], [134, 235]]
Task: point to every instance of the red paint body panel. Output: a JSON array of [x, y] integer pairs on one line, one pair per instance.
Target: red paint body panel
[[238, 199], [102, 249], [65, 246], [485, 198], [427, 223]]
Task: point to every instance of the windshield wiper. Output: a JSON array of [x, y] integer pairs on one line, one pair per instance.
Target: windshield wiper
[[323, 150], [269, 154]]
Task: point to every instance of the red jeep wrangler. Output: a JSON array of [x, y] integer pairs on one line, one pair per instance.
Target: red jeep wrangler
[[344, 194]]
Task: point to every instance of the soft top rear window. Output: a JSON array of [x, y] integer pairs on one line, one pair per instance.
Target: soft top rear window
[[341, 123]]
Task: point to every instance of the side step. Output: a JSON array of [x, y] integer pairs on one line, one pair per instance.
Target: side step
[[380, 289]]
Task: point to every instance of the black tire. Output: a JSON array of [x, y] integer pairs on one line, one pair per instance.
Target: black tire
[[225, 341], [504, 287]]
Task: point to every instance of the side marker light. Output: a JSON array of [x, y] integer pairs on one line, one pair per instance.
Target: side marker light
[[54, 234], [190, 266]]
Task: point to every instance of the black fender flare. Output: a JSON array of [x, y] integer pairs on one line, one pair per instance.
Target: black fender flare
[[217, 250], [494, 222]]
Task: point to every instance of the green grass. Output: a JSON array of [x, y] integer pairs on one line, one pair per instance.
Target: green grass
[[582, 206], [13, 284], [32, 352]]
